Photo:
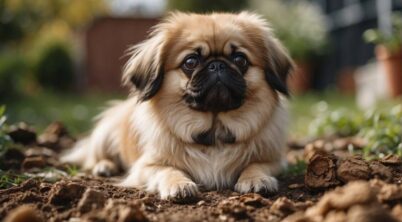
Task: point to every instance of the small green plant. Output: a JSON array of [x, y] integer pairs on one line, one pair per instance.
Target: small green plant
[[5, 140], [338, 123], [9, 179], [393, 40], [296, 169], [381, 130], [72, 170]]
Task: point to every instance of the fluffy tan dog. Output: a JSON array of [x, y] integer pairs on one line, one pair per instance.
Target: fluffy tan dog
[[207, 109]]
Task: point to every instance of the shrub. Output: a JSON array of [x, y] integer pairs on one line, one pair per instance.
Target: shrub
[[392, 40], [300, 25], [207, 5], [54, 67], [381, 130], [12, 68], [5, 140]]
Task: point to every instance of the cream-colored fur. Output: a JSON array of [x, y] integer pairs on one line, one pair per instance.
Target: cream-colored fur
[[168, 165], [152, 139]]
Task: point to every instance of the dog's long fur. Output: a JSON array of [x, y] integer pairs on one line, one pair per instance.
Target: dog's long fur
[[151, 133]]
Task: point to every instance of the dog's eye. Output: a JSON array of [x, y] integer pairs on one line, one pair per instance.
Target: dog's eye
[[190, 63], [240, 60]]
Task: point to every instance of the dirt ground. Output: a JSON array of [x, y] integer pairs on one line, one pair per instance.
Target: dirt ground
[[335, 186]]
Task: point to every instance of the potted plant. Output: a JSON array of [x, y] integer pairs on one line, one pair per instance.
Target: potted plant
[[388, 52], [302, 31]]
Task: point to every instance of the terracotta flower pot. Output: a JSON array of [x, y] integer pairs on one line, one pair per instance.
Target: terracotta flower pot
[[300, 81], [391, 63]]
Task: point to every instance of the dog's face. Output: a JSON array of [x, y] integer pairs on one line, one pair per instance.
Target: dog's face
[[216, 80], [203, 71]]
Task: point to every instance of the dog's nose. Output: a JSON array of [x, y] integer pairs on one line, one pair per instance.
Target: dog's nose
[[216, 66]]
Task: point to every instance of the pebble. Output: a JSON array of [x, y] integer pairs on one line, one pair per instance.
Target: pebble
[[63, 193], [91, 199]]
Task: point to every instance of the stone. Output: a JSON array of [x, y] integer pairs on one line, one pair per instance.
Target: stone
[[91, 199]]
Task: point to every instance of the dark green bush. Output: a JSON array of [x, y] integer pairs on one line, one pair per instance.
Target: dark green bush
[[207, 5], [12, 68], [54, 67], [5, 140]]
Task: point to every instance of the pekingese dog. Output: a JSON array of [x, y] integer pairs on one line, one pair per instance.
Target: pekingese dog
[[207, 109]]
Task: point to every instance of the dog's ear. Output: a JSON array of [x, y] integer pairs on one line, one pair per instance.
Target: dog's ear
[[279, 65], [144, 69]]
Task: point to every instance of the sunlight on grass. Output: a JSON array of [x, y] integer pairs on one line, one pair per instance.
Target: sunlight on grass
[[76, 111], [9, 179], [305, 108]]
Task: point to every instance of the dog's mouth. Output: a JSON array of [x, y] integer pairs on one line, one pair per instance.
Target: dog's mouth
[[216, 90]]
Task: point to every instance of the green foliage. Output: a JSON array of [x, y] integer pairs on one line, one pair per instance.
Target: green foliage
[[54, 68], [9, 179], [382, 130], [27, 27], [393, 41], [299, 24], [72, 170], [11, 24], [12, 68], [5, 140], [339, 122], [28, 16], [74, 110], [203, 6], [307, 107], [296, 169]]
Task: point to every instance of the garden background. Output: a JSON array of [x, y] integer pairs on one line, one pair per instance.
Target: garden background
[[61, 60]]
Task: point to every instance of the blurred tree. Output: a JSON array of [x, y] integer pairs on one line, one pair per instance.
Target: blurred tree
[[207, 5], [29, 28], [33, 14], [54, 67], [12, 66]]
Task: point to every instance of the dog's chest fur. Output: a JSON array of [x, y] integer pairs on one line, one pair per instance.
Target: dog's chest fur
[[217, 135], [215, 166]]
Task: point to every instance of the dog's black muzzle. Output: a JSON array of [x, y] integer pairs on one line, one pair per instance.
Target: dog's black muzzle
[[217, 87]]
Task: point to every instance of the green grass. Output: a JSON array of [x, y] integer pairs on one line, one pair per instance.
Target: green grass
[[76, 111], [296, 169], [328, 115], [9, 179], [305, 108], [72, 170], [5, 140]]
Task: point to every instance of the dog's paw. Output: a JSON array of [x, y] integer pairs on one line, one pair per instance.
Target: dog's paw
[[179, 192], [105, 168], [257, 185]]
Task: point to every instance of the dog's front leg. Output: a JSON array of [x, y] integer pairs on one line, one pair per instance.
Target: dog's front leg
[[171, 183], [258, 177]]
